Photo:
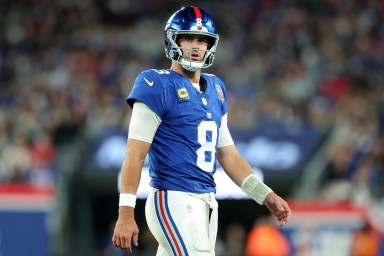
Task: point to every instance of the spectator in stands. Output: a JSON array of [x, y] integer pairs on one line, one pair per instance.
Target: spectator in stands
[[365, 242], [265, 239]]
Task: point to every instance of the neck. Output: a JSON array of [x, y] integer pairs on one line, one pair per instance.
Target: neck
[[194, 77]]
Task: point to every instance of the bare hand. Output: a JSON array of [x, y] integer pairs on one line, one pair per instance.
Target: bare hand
[[126, 230], [278, 208]]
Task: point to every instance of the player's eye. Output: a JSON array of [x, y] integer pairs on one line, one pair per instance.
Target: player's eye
[[203, 40], [186, 39], [189, 39]]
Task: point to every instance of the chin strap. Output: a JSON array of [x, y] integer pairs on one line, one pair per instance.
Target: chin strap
[[190, 65], [189, 68]]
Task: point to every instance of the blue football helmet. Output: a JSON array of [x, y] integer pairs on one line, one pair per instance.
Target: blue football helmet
[[190, 20]]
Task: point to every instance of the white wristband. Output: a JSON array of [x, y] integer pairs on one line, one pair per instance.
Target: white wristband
[[256, 189], [127, 200]]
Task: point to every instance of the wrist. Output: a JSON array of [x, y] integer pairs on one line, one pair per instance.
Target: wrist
[[126, 199], [256, 189]]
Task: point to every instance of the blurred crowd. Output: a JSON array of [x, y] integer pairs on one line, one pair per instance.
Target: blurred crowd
[[66, 68]]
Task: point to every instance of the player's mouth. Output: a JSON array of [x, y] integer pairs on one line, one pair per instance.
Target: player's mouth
[[195, 56]]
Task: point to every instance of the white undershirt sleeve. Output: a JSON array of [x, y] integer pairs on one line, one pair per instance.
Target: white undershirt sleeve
[[144, 123], [225, 137]]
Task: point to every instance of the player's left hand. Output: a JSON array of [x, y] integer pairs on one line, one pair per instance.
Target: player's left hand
[[278, 208]]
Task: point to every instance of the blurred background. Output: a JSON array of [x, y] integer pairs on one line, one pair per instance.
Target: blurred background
[[305, 81]]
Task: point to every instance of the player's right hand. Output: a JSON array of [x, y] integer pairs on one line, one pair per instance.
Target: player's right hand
[[126, 230]]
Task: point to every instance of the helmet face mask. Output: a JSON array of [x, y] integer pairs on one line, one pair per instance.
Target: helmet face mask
[[190, 21]]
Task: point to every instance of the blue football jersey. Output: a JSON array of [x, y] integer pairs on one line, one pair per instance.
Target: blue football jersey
[[183, 152]]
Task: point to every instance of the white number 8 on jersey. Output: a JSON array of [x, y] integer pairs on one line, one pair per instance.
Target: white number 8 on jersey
[[206, 146]]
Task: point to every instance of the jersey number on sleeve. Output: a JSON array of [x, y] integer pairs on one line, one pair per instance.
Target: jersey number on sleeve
[[207, 137]]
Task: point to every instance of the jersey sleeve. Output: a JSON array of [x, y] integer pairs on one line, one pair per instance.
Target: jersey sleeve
[[149, 89], [221, 93], [225, 137]]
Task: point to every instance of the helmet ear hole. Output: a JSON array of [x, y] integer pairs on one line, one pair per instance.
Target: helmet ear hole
[[177, 40], [211, 42]]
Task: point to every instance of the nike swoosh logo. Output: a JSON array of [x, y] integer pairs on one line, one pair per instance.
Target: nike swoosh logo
[[149, 83]]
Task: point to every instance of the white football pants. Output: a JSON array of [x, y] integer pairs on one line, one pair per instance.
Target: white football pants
[[183, 223]]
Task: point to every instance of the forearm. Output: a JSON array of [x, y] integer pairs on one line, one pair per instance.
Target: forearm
[[238, 169], [130, 175], [132, 166], [234, 165]]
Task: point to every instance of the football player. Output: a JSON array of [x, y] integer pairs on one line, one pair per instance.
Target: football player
[[179, 118]]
